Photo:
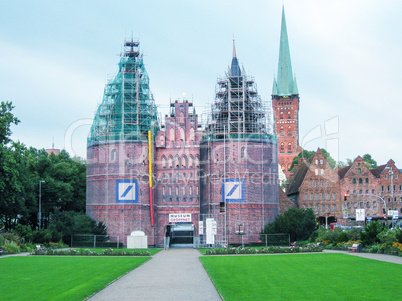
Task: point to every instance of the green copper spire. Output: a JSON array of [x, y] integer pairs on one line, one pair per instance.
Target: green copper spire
[[285, 83]]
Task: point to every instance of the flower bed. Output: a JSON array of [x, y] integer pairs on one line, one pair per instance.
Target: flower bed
[[87, 252], [267, 250]]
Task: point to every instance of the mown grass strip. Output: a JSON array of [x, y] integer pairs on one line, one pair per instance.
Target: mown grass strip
[[303, 277], [60, 278]]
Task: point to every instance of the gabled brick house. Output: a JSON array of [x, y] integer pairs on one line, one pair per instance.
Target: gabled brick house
[[316, 185]]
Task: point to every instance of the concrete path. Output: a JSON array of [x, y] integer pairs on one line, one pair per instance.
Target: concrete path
[[375, 256], [174, 274]]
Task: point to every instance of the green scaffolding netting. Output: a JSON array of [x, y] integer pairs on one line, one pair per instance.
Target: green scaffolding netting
[[127, 111]]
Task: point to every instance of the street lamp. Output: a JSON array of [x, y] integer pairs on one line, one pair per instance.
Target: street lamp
[[40, 204], [391, 175]]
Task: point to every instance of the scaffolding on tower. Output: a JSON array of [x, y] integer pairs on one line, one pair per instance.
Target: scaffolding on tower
[[127, 111], [238, 111]]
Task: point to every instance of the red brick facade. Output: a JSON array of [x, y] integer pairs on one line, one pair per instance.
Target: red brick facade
[[286, 122], [188, 178], [316, 185]]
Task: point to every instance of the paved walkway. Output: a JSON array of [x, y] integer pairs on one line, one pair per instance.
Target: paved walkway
[[174, 274], [375, 256]]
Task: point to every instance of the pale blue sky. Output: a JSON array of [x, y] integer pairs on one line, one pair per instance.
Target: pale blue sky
[[55, 57]]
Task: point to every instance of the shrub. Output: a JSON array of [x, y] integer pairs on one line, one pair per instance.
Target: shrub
[[343, 237], [11, 249], [387, 237], [11, 237], [369, 236]]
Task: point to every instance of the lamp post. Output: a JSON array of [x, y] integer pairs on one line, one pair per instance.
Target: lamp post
[[40, 204], [391, 175]]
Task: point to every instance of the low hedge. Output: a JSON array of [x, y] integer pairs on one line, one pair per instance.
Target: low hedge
[[87, 252], [268, 250]]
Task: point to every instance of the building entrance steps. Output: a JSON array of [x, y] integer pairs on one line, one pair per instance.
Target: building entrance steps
[[174, 274]]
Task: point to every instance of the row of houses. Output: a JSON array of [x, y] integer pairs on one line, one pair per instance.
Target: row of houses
[[336, 194]]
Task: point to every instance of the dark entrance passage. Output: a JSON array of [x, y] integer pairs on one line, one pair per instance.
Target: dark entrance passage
[[180, 235]]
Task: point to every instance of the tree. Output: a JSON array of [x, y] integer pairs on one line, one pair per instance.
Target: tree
[[65, 223], [6, 119], [303, 154], [298, 222], [369, 162], [370, 234], [307, 154]]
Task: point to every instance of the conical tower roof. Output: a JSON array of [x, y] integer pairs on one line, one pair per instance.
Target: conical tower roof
[[235, 68], [285, 83]]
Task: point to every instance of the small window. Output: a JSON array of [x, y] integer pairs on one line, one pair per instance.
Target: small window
[[367, 180], [334, 196], [360, 181], [359, 171], [375, 204], [321, 161], [328, 184], [354, 181]]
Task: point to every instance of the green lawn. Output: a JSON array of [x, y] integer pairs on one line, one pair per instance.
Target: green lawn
[[303, 277], [60, 278]]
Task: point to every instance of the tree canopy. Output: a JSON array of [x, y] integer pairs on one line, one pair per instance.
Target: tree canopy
[[21, 170], [307, 154], [299, 223]]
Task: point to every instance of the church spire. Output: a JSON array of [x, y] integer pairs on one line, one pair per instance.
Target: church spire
[[235, 68], [234, 48], [285, 83]]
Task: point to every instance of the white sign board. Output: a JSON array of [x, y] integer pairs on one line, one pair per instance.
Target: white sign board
[[201, 228], [214, 228], [210, 239], [179, 217], [360, 215]]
